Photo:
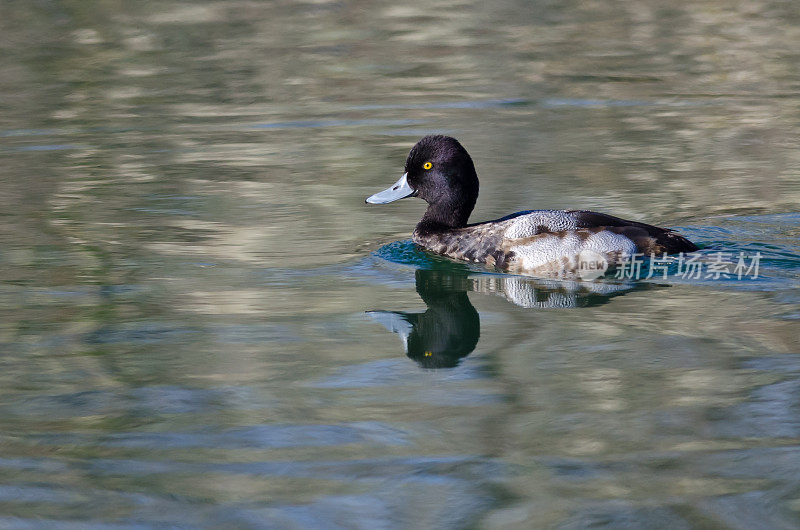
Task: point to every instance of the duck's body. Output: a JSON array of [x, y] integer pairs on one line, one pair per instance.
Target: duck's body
[[539, 242], [546, 241]]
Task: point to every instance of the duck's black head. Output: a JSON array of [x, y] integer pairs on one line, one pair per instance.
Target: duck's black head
[[440, 171]]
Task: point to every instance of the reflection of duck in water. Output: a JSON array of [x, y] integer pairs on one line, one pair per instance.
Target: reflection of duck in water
[[447, 331], [450, 328]]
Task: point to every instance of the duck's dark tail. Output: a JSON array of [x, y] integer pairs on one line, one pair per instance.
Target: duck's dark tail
[[658, 239], [674, 243]]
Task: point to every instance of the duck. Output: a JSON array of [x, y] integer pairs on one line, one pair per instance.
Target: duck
[[551, 243]]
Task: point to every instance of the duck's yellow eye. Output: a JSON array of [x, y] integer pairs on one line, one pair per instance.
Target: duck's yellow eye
[[427, 165]]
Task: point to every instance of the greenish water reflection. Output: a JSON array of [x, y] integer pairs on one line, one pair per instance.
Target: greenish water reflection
[[450, 327], [187, 261]]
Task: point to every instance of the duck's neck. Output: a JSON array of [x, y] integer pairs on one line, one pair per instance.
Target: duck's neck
[[443, 216]]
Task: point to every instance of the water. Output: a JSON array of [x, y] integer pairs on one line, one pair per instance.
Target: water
[[204, 326]]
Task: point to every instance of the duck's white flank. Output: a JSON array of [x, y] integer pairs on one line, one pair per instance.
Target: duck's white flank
[[560, 252]]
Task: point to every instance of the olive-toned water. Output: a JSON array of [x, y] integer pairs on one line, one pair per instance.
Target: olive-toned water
[[203, 325]]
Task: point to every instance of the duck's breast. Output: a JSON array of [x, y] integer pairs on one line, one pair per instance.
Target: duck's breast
[[475, 243]]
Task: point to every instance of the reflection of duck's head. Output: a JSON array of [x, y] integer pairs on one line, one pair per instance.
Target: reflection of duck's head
[[448, 331]]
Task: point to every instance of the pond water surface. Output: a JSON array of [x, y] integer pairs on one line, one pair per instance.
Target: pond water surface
[[205, 326]]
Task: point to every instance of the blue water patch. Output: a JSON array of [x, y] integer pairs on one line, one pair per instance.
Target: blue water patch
[[306, 124], [774, 237], [165, 197], [415, 133], [69, 131], [573, 102], [394, 372], [406, 252], [545, 102], [29, 132], [589, 103], [163, 211], [480, 104], [264, 436], [52, 147], [148, 332]]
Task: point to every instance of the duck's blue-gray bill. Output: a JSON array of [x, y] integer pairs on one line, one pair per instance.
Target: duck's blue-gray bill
[[399, 190], [394, 321]]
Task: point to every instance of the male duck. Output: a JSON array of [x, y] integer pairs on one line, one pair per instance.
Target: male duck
[[539, 242]]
